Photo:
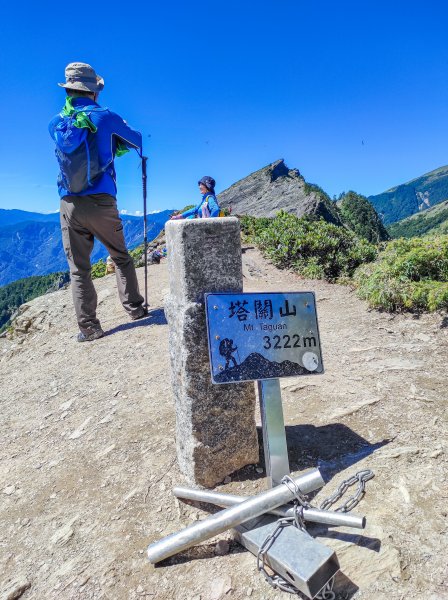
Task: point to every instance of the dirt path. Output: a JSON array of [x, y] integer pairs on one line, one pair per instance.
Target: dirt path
[[88, 452]]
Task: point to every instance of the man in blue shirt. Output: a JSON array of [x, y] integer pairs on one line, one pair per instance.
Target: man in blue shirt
[[88, 137]]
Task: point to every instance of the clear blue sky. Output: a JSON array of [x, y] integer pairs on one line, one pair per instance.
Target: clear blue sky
[[353, 94]]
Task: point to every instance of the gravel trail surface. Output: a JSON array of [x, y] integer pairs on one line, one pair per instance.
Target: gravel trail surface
[[88, 452]]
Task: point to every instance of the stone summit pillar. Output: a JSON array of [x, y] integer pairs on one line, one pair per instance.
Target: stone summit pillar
[[215, 424]]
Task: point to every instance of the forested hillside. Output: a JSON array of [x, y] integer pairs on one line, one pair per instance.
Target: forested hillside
[[433, 220], [359, 215], [412, 197]]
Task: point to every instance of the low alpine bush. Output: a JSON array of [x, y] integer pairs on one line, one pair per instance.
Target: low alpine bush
[[410, 274], [314, 248]]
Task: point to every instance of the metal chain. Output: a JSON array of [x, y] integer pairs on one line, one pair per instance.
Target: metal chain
[[301, 502], [326, 592], [361, 477], [294, 489], [275, 580]]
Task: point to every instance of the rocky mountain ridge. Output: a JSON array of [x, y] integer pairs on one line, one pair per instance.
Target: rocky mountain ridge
[[276, 187]]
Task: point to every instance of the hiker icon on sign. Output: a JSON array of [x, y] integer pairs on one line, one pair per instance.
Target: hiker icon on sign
[[226, 349]]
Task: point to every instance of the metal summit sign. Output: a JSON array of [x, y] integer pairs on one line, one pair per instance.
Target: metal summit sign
[[262, 336]]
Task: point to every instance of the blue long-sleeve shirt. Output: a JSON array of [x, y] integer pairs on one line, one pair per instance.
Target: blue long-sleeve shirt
[[208, 200], [110, 129]]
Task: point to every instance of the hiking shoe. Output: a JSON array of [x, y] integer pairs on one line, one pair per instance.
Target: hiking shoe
[[89, 337], [142, 312]]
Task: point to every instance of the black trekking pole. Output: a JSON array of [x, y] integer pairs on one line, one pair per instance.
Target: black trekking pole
[[145, 232]]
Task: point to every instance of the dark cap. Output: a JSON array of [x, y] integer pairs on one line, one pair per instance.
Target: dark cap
[[209, 183]]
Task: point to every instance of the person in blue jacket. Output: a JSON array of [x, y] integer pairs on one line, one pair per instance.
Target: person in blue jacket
[[208, 206], [88, 137]]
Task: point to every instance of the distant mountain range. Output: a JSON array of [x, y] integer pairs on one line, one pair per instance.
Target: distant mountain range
[[30, 243], [412, 197]]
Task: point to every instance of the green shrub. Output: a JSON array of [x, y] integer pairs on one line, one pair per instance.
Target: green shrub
[[99, 269], [418, 258], [410, 274], [316, 249], [252, 226], [137, 253]]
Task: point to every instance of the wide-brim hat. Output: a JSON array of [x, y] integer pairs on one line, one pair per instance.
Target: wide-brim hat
[[81, 76]]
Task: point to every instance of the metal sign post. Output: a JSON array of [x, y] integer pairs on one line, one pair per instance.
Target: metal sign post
[[274, 436], [261, 337]]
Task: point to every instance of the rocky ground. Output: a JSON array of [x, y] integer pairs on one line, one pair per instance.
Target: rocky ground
[[88, 452]]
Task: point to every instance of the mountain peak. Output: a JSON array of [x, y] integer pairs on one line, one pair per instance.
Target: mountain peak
[[276, 187]]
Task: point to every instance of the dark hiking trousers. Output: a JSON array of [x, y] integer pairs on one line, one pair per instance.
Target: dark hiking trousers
[[84, 218]]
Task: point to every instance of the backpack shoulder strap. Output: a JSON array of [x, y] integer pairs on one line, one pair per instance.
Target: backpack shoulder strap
[[221, 212]]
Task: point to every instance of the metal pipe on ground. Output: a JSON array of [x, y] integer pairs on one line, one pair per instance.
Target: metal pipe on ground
[[231, 517], [313, 515]]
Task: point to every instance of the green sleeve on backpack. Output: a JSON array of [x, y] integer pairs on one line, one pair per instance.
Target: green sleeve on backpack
[[81, 120], [121, 149]]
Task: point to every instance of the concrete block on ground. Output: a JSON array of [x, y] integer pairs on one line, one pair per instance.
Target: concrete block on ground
[[215, 424]]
